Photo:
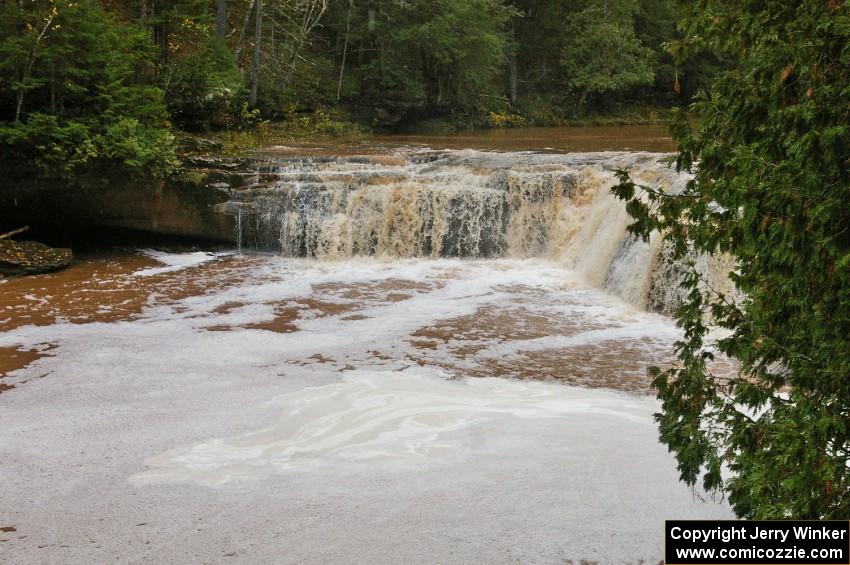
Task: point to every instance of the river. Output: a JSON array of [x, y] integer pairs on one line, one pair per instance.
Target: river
[[422, 350]]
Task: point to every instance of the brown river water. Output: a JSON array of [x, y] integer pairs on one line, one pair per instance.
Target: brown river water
[[97, 288], [455, 373], [653, 138], [100, 286]]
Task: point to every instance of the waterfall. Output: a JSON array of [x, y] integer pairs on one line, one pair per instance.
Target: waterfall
[[465, 204], [239, 231]]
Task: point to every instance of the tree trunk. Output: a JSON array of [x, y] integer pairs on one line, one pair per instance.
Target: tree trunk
[[52, 83], [160, 31], [255, 63], [312, 14], [344, 49], [221, 19], [9, 234], [244, 29], [579, 108], [512, 78], [19, 102], [273, 47]]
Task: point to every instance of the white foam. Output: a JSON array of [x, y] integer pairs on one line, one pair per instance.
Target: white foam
[[657, 329], [174, 261], [160, 421], [407, 418]]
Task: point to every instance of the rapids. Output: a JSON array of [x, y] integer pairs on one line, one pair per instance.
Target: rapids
[[466, 203]]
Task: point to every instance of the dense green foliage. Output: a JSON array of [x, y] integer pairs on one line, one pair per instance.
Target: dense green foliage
[[441, 56], [545, 59], [85, 83], [605, 54], [201, 90], [71, 90], [769, 146]]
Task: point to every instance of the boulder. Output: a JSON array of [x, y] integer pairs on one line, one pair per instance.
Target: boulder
[[31, 257]]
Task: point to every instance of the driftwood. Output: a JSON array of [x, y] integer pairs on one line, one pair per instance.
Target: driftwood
[[9, 234]]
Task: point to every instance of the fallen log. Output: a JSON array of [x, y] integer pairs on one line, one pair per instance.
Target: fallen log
[[12, 233]]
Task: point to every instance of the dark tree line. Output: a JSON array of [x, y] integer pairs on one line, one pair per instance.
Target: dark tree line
[[83, 81], [389, 60]]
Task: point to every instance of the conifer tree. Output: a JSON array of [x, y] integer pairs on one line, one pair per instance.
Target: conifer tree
[[769, 147]]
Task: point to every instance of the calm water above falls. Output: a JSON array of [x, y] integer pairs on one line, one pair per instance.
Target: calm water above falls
[[558, 139], [654, 138], [443, 361]]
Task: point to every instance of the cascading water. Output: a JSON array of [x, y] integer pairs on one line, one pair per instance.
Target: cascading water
[[468, 204], [239, 231], [395, 400]]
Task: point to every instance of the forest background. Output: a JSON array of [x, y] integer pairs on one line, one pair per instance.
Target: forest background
[[84, 82]]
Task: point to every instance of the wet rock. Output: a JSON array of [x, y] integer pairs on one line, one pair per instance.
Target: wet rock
[[220, 163], [31, 257], [183, 204], [191, 144]]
